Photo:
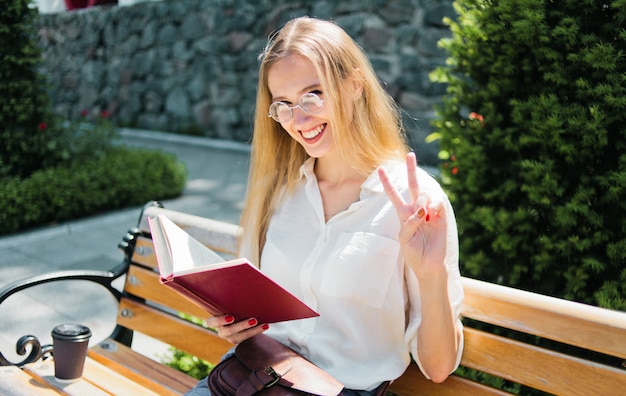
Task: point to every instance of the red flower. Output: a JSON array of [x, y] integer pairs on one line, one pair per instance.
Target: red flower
[[43, 126], [84, 112], [104, 114], [475, 116], [455, 170]]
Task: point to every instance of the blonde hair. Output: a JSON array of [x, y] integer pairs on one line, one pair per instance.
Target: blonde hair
[[374, 133]]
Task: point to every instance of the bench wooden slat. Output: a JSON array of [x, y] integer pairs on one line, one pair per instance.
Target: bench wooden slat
[[144, 253], [174, 331], [153, 375], [114, 382], [539, 368], [145, 284], [413, 379], [96, 378], [581, 325], [15, 382]]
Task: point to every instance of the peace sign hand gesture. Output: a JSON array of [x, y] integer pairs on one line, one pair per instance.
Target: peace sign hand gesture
[[423, 231]]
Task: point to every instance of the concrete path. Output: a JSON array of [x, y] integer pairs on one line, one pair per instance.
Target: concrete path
[[216, 187]]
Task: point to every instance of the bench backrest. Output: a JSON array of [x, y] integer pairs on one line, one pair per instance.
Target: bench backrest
[[558, 346]]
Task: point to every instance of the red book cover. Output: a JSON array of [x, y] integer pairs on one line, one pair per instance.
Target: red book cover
[[234, 287]]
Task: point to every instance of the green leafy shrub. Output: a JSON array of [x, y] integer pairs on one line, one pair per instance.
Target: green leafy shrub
[[32, 136], [80, 139], [188, 364], [120, 177], [25, 106], [533, 138], [185, 362]]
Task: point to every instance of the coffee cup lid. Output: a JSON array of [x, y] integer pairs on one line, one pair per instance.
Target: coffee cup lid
[[71, 331]]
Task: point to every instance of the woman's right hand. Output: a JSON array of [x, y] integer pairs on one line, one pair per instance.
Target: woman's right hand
[[238, 332]]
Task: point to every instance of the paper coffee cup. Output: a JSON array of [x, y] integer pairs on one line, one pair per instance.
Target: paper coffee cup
[[69, 348]]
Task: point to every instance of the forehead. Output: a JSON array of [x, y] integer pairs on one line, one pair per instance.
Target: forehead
[[291, 76]]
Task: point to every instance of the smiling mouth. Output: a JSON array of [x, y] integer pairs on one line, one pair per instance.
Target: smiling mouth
[[310, 134]]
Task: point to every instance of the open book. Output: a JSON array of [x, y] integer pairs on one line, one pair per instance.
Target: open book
[[234, 287]]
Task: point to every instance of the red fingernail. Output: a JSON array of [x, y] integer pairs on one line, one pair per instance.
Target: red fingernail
[[253, 322], [265, 326], [229, 319], [427, 217]]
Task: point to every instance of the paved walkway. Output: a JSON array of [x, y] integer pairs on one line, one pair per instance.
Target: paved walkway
[[216, 186]]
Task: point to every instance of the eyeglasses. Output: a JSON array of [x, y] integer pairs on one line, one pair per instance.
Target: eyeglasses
[[309, 103]]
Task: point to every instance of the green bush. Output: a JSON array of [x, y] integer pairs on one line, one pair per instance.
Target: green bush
[[121, 177], [25, 106], [186, 362], [79, 140], [533, 138], [32, 136]]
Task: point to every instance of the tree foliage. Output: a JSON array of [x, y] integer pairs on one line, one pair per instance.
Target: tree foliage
[[533, 139], [25, 106]]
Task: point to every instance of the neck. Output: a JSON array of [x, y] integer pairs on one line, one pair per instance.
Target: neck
[[339, 185], [335, 171]]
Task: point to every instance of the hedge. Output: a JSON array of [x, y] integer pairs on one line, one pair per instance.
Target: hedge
[[122, 177]]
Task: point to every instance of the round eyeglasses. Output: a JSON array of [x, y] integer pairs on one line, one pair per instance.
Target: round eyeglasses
[[309, 103]]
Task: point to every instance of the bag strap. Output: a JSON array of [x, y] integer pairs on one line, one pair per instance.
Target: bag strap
[[257, 381]]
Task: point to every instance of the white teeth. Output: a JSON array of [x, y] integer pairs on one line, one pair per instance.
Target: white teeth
[[313, 132]]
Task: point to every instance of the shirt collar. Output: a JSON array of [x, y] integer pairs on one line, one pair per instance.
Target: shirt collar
[[307, 169]]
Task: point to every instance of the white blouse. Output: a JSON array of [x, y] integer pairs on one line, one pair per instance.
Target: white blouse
[[351, 271]]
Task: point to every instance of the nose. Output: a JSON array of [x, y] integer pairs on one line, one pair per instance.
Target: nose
[[299, 116]]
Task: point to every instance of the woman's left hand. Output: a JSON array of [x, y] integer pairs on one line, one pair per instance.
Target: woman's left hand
[[423, 231]]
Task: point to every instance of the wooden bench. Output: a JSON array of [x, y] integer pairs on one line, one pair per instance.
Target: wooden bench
[[586, 350]]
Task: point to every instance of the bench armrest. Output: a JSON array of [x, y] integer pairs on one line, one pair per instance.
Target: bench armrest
[[103, 278]]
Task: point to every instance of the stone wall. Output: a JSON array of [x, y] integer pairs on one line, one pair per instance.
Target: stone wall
[[190, 66]]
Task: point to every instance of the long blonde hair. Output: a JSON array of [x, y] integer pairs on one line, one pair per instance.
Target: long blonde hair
[[373, 135]]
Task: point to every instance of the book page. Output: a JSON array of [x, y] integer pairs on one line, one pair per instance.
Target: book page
[[186, 253]]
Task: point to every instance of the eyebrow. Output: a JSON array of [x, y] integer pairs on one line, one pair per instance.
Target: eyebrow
[[309, 88]]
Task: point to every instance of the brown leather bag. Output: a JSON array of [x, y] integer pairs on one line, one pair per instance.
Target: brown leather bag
[[263, 366]]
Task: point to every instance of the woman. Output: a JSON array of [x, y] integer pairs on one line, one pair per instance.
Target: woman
[[338, 213]]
